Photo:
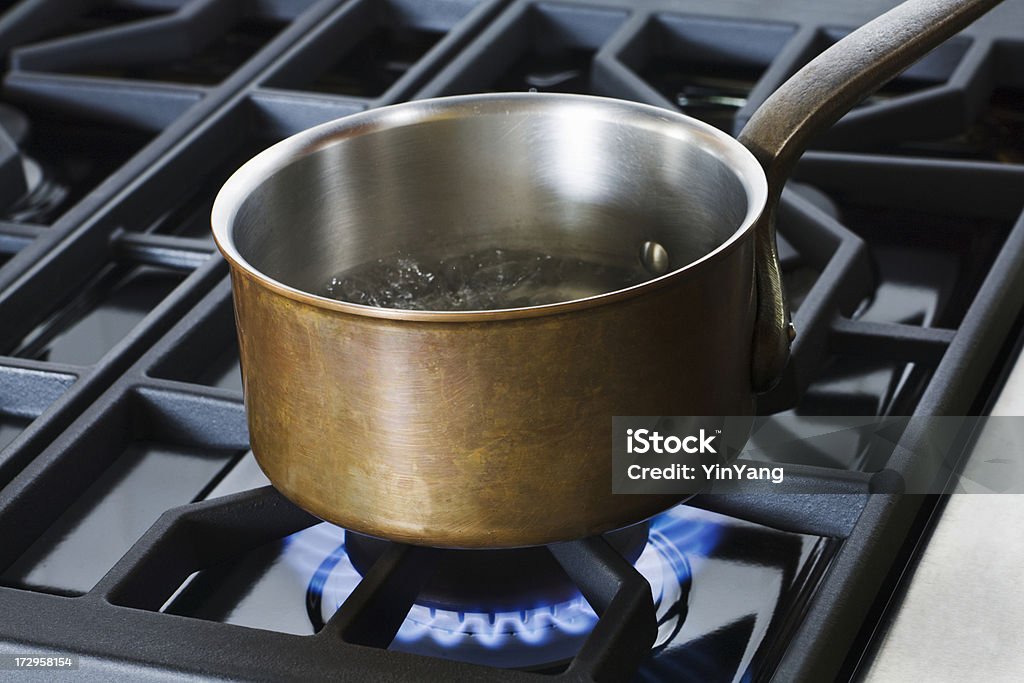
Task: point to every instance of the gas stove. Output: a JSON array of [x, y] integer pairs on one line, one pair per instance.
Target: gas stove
[[141, 537]]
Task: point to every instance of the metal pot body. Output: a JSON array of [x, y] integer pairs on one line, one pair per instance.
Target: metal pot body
[[488, 428], [492, 428]]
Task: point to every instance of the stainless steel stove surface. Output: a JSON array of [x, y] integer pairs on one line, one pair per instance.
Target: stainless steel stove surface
[[139, 533]]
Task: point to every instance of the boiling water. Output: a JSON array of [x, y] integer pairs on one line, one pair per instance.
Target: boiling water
[[484, 280]]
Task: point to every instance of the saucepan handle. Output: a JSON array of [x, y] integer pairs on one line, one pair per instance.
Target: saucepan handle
[[808, 103]]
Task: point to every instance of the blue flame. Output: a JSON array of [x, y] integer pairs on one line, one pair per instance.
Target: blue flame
[[525, 638], [492, 630]]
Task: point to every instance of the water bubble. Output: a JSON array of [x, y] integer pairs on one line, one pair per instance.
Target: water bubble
[[483, 280]]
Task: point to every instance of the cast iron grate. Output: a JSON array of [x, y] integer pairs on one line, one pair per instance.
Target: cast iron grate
[[93, 136], [170, 381], [370, 53], [198, 43]]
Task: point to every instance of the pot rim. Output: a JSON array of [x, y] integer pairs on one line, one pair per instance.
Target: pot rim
[[253, 173]]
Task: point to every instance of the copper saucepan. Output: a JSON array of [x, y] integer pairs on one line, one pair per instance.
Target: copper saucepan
[[492, 428]]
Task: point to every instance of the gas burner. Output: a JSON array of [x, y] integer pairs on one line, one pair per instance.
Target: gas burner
[[14, 123], [34, 194], [712, 99], [44, 195], [469, 618], [564, 70], [494, 580], [996, 135]]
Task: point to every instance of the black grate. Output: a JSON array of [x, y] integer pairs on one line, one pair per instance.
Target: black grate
[[121, 362]]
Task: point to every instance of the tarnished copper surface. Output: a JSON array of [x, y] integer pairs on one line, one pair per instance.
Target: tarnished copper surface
[[493, 429], [489, 434]]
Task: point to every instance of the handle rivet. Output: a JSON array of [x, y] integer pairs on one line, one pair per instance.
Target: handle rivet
[[654, 257]]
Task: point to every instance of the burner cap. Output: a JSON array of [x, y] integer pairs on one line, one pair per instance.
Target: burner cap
[[14, 123], [13, 129], [12, 173]]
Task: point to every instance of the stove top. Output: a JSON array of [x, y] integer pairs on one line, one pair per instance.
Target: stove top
[[138, 532]]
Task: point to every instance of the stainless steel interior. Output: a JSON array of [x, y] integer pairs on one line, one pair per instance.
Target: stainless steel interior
[[586, 177]]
